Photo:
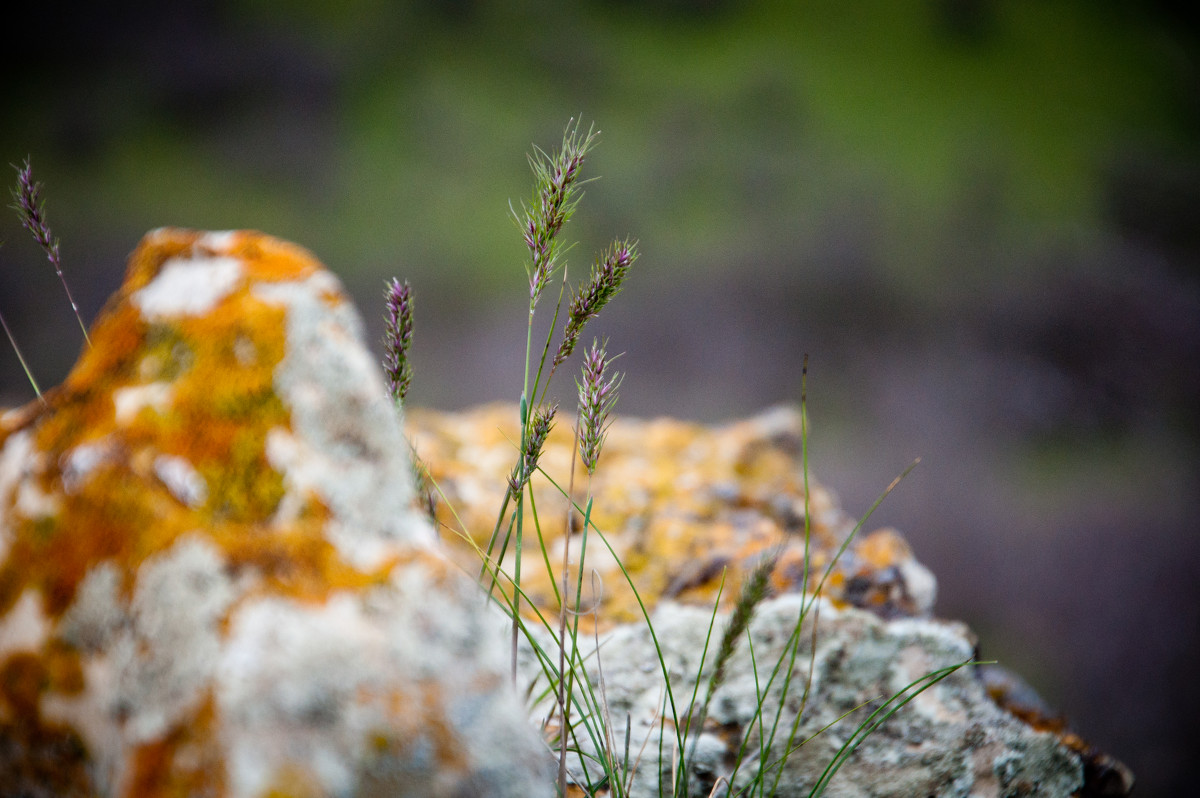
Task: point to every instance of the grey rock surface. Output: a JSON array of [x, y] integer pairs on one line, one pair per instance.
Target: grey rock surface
[[950, 740]]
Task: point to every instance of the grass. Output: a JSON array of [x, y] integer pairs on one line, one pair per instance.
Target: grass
[[31, 209], [595, 753]]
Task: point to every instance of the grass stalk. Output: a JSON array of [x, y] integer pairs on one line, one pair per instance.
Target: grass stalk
[[31, 208], [28, 374]]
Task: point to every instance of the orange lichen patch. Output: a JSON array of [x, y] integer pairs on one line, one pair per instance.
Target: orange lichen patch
[[23, 679], [883, 548], [48, 554], [294, 560], [161, 429], [267, 259], [683, 506], [64, 673], [187, 761]]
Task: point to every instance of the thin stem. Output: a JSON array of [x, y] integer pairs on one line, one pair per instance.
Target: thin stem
[[32, 210], [516, 603], [562, 626], [21, 358]]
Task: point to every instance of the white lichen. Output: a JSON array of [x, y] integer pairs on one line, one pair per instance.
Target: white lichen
[[189, 286]]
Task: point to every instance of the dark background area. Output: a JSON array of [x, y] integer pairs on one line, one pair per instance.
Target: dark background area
[[981, 220]]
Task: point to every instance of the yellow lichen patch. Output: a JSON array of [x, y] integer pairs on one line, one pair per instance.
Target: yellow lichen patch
[[294, 559], [682, 505], [883, 548], [190, 396]]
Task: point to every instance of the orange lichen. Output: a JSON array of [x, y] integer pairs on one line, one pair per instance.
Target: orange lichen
[[684, 506], [161, 431], [187, 761], [883, 548], [217, 372]]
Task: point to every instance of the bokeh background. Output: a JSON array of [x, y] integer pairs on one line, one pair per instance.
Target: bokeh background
[[980, 219]]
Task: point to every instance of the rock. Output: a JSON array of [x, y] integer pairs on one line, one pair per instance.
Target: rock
[[950, 740], [211, 580], [685, 506], [216, 579], [682, 505]]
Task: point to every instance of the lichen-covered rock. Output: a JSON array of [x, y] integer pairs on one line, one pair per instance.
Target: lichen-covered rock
[[212, 582], [950, 740], [685, 506]]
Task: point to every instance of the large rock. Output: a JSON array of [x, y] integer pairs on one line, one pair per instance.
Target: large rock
[[691, 511], [211, 580]]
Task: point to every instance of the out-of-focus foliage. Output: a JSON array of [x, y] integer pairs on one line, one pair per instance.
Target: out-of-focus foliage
[[383, 132]]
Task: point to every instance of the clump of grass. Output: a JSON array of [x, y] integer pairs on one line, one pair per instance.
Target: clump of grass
[[398, 339], [585, 732]]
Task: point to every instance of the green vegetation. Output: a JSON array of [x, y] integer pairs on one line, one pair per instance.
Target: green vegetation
[[603, 755], [787, 109]]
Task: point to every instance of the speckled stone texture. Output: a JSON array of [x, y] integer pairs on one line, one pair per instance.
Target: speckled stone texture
[[686, 506], [683, 506], [212, 582], [951, 740]]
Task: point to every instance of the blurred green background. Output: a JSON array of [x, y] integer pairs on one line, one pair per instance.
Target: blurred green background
[[978, 218]]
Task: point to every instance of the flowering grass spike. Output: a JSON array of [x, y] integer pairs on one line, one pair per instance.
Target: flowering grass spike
[[539, 429], [30, 206], [596, 400], [554, 200], [397, 338], [607, 276]]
